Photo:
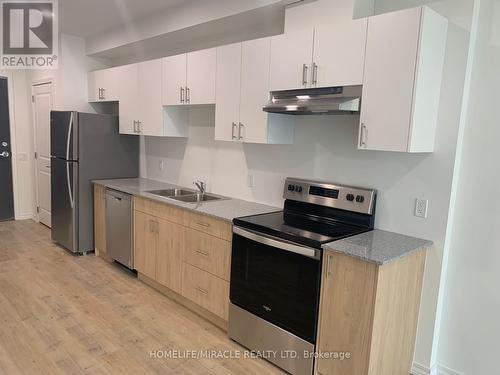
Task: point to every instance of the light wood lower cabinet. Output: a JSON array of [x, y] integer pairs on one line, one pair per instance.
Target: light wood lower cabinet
[[145, 243], [207, 290], [169, 255], [371, 312], [100, 220], [185, 252]]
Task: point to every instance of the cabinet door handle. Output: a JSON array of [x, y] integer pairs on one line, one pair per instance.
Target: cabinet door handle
[[103, 94], [139, 126], [188, 95], [240, 125], [135, 126], [305, 68], [363, 135], [182, 94], [204, 253], [152, 226], [232, 130], [100, 94], [201, 290], [206, 225], [328, 266], [314, 78]]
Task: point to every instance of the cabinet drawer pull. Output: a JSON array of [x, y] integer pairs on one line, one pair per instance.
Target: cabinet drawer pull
[[204, 253], [201, 290], [206, 225]]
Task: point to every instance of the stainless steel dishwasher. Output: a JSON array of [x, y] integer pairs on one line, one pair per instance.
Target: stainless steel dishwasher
[[119, 227]]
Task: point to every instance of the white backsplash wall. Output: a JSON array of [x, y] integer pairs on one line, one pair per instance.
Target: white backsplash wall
[[325, 148]]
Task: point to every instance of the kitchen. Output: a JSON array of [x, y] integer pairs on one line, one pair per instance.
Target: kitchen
[[204, 141]]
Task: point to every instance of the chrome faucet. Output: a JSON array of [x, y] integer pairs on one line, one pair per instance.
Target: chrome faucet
[[201, 186]]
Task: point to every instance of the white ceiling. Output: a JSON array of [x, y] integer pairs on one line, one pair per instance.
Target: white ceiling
[[87, 18]]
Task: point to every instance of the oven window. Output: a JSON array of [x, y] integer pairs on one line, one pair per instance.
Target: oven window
[[276, 285]]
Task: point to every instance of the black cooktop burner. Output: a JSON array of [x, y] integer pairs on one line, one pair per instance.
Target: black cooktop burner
[[303, 229]]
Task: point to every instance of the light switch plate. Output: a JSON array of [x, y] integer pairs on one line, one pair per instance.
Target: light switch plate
[[421, 208]]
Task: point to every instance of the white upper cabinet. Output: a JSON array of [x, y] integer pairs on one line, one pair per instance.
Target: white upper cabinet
[[200, 77], [174, 79], [140, 93], [103, 85], [242, 90], [228, 88], [402, 80], [291, 56], [189, 78], [129, 98], [339, 53], [150, 111]]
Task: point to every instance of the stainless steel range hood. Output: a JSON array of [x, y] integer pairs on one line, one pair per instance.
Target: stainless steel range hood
[[317, 101]]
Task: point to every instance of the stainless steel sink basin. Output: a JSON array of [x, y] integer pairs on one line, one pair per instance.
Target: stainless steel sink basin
[[197, 198], [171, 193]]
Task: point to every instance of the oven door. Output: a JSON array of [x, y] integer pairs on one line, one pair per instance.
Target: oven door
[[276, 280]]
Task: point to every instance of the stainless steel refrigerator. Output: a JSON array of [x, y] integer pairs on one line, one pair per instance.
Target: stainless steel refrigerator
[[84, 147]]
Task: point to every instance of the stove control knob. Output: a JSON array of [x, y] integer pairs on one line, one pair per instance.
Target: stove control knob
[[360, 198], [349, 197], [299, 189], [290, 188]]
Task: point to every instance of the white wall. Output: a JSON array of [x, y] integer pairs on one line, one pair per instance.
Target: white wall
[[325, 148], [470, 330], [22, 142]]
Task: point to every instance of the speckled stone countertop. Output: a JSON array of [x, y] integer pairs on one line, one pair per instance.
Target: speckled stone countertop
[[378, 246], [226, 209]]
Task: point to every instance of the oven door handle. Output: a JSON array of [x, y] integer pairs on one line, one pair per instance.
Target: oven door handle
[[278, 243]]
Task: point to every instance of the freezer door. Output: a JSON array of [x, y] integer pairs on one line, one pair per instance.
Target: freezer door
[[64, 193], [64, 135]]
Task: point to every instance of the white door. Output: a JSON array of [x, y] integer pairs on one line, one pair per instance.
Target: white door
[[227, 107], [149, 103], [174, 79], [129, 93], [391, 58], [291, 57], [200, 76], [255, 60], [339, 53], [42, 104]]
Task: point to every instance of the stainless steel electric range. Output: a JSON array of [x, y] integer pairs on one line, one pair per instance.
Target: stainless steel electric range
[[276, 268]]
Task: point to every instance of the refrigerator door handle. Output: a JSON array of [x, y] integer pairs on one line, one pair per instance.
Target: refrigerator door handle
[[70, 190], [70, 131]]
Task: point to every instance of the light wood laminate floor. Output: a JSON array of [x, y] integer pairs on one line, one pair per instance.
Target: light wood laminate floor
[[64, 314]]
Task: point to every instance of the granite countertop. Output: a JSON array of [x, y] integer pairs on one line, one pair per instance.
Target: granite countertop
[[378, 246], [226, 209]]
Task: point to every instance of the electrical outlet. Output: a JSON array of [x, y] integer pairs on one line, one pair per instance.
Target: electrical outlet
[[160, 165], [421, 206]]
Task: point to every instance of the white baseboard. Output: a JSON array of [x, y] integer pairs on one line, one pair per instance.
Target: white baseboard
[[25, 216], [419, 369]]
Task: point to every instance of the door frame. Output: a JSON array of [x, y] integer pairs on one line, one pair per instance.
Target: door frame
[[13, 144], [38, 82]]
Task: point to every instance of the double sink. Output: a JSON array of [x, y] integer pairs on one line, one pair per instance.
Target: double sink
[[186, 195]]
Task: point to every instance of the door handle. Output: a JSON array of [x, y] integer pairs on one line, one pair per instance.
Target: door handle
[[314, 79], [240, 125], [305, 68], [4, 154], [232, 130], [363, 135]]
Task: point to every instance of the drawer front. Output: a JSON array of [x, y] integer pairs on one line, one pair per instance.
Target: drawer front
[[161, 210], [206, 290], [203, 223], [207, 252]]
